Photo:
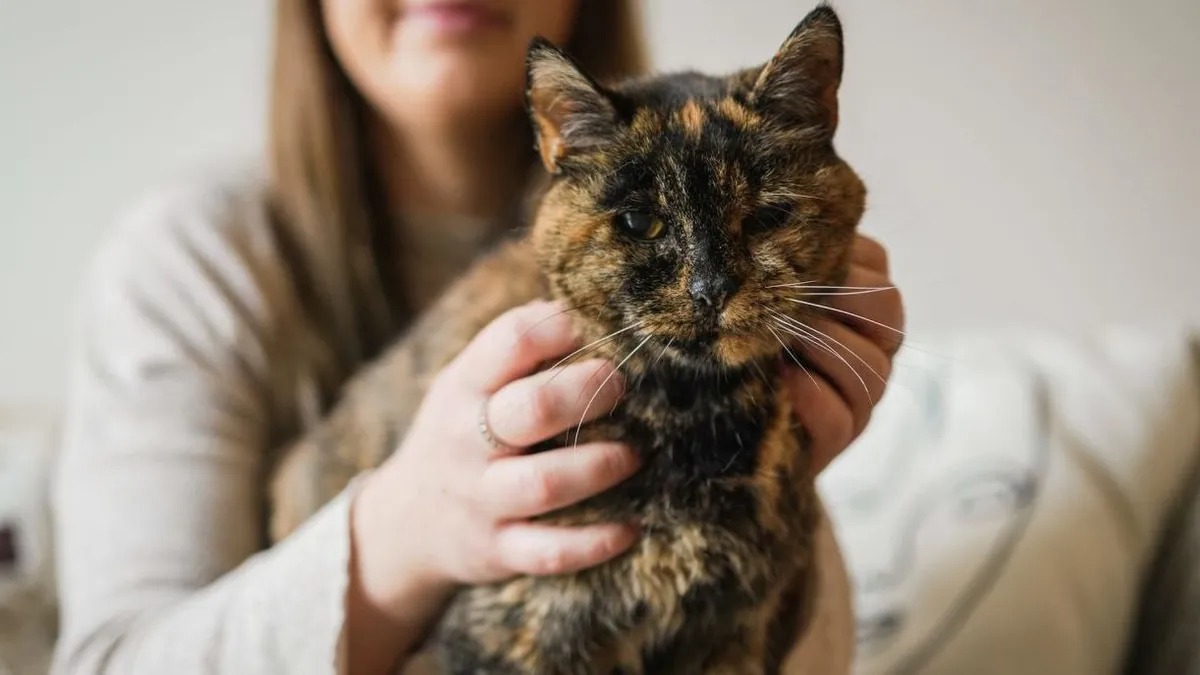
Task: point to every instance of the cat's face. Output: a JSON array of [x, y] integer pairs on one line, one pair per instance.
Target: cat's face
[[684, 206]]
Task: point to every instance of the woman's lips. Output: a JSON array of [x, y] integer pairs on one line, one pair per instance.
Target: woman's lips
[[455, 18]]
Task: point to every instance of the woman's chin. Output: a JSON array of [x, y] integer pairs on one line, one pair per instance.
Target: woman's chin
[[450, 88]]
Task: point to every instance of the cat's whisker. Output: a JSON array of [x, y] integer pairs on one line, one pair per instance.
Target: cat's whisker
[[903, 341], [622, 166], [826, 336], [587, 347], [566, 310], [597, 342], [765, 380], [642, 375], [847, 313], [835, 294], [908, 390], [822, 335], [813, 284], [785, 195], [821, 344], [667, 346], [820, 338], [786, 210], [802, 283], [792, 354], [592, 400], [761, 373], [587, 350], [848, 290]]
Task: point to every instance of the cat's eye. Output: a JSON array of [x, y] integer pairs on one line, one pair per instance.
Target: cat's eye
[[768, 217], [641, 225]]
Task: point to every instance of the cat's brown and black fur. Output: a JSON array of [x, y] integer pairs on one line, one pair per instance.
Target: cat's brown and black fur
[[741, 173]]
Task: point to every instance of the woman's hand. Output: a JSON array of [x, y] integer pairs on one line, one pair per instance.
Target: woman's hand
[[450, 507], [835, 403]]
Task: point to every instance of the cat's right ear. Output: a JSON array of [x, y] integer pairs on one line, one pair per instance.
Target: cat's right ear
[[800, 83], [569, 111]]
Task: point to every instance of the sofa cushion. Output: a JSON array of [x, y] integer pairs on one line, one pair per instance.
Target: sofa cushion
[[1002, 509]]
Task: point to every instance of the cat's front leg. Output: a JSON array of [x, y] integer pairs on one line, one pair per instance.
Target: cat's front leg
[[381, 400]]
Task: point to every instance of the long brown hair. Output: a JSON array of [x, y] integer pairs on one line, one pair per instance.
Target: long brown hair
[[327, 198]]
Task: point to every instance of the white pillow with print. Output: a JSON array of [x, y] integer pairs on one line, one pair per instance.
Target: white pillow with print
[[999, 511]]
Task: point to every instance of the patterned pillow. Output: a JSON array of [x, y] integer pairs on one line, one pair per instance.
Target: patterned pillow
[[1000, 512]]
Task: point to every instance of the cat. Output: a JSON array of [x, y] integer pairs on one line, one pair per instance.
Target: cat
[[692, 206]]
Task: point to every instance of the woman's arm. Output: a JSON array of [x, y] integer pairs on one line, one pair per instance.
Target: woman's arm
[[158, 497]]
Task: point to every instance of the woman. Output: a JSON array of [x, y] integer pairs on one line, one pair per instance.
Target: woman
[[222, 319]]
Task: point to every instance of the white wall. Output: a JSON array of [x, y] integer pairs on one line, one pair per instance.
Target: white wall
[[98, 102], [1029, 161]]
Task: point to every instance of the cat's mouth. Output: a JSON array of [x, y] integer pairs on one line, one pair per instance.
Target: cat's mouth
[[732, 339], [698, 346], [713, 347]]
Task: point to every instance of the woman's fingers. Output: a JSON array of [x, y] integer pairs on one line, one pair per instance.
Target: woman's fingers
[[529, 485], [514, 344], [540, 549], [548, 403], [869, 254], [822, 412]]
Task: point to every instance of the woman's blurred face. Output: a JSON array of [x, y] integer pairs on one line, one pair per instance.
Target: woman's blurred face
[[425, 62]]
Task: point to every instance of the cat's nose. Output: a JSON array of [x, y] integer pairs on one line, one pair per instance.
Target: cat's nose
[[712, 291]]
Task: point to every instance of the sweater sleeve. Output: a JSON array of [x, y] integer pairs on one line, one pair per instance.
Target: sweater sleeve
[[158, 498]]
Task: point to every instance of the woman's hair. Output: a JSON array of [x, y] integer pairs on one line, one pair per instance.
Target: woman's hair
[[326, 195]]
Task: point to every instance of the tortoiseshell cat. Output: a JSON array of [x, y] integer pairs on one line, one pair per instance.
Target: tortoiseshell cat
[[683, 203]]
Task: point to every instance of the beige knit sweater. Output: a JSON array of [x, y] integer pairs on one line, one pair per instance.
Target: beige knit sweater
[[187, 372]]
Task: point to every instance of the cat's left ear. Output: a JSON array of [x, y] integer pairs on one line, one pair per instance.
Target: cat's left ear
[[569, 111], [800, 83]]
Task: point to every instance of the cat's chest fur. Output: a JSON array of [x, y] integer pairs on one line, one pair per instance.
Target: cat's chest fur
[[726, 509], [706, 440]]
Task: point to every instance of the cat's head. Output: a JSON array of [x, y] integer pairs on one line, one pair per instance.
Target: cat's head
[[692, 207]]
